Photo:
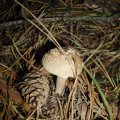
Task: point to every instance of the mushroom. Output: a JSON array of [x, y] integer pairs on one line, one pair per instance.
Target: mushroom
[[62, 65]]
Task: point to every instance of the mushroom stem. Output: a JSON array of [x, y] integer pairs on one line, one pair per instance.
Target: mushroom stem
[[60, 84]]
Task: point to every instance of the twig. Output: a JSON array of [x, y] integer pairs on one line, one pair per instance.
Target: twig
[[63, 18]]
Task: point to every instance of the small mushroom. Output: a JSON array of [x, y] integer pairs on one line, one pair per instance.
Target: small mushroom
[[62, 65]]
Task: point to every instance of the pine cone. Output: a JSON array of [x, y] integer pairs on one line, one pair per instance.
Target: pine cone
[[35, 88]]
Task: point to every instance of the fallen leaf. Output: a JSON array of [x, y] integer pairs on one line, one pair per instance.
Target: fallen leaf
[[15, 95]]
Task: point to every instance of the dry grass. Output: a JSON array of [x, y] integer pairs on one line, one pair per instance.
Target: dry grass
[[92, 95]]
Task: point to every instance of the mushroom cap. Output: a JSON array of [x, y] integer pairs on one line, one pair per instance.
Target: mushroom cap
[[62, 65]]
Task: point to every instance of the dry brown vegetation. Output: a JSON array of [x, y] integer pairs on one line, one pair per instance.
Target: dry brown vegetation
[[30, 28]]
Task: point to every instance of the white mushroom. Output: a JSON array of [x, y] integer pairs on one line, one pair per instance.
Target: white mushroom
[[62, 65]]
